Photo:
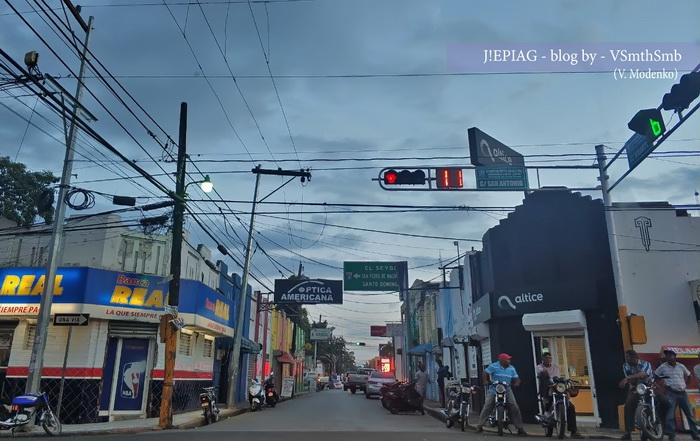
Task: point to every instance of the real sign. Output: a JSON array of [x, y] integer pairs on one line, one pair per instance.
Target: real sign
[[486, 151], [320, 334], [310, 292], [371, 276]]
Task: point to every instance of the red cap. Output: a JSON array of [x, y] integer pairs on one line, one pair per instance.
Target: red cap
[[504, 356]]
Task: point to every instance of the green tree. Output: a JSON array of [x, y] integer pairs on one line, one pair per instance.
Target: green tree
[[20, 189]]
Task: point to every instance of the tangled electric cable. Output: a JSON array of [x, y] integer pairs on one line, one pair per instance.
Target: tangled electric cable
[[87, 202]]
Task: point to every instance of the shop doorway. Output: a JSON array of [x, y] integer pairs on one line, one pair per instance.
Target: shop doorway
[[127, 377], [570, 353], [7, 331]]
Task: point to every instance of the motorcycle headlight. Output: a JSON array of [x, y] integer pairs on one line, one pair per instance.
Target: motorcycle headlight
[[641, 388], [561, 388], [500, 388]]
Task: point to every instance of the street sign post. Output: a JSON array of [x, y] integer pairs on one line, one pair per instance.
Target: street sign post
[[486, 151], [71, 319], [501, 178], [371, 276]]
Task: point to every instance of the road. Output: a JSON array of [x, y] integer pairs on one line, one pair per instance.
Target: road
[[332, 414]]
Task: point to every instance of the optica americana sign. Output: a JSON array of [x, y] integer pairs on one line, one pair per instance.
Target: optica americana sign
[[312, 291]]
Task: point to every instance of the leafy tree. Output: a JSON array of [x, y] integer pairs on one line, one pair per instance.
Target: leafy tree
[[20, 189]]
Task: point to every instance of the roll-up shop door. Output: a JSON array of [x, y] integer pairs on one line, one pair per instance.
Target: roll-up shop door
[[123, 329]]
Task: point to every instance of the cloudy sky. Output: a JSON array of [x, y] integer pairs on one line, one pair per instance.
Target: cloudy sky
[[346, 88]]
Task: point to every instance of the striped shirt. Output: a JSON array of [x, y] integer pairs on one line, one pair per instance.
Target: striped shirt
[[677, 374], [633, 369]]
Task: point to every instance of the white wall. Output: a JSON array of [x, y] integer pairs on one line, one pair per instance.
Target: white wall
[[655, 282]]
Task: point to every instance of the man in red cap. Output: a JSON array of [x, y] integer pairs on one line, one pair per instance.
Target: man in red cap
[[501, 371]]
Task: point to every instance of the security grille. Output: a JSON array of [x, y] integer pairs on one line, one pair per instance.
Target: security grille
[[208, 348], [185, 345], [29, 336]]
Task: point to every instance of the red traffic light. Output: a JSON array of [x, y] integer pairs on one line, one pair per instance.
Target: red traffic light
[[390, 177], [404, 177], [449, 178]]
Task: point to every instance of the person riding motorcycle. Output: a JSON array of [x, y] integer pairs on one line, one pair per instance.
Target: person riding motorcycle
[[545, 372], [501, 371]]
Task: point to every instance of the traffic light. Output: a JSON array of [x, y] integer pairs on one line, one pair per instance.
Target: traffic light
[[649, 123], [360, 343], [449, 178], [683, 93], [404, 177]]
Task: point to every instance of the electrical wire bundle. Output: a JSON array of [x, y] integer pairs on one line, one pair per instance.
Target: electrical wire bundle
[[88, 199]]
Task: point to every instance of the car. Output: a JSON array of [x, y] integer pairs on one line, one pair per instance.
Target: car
[[376, 380], [337, 384], [357, 380]]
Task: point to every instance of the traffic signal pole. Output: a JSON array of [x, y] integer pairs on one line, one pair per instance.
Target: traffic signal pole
[[36, 360], [234, 366]]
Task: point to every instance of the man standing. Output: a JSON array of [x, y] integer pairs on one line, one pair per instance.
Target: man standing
[[545, 372], [677, 396], [442, 373], [635, 370], [501, 371], [422, 380]]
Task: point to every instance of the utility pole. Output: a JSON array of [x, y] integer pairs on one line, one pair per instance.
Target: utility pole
[[36, 360], [168, 330], [614, 249], [234, 366]]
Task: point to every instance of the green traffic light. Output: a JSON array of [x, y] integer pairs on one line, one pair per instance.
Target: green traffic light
[[655, 127]]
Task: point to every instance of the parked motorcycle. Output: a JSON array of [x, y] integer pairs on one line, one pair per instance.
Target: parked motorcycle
[[459, 403], [386, 390], [499, 417], [647, 417], [210, 410], [554, 417], [405, 399], [30, 408], [271, 397], [255, 395]]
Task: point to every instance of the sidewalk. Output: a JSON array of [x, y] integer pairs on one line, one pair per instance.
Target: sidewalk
[[588, 430], [188, 420]]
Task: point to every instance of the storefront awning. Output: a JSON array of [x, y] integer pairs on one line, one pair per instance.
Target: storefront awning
[[573, 320], [683, 351], [248, 346], [285, 358], [421, 349]]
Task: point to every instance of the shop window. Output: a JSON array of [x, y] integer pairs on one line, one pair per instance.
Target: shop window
[[208, 348], [29, 336], [185, 345]]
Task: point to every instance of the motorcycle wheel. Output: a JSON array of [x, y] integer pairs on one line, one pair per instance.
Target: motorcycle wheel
[[394, 410], [501, 418], [548, 430], [463, 416], [561, 420], [650, 430], [353, 390], [208, 419], [50, 423]]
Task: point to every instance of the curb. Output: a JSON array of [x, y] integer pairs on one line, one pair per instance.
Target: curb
[[438, 414]]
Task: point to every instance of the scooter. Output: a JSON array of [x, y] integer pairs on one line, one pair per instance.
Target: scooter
[[271, 397], [31, 408], [255, 395], [405, 399], [210, 410]]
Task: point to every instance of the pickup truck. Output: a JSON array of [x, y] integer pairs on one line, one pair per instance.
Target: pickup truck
[[357, 380]]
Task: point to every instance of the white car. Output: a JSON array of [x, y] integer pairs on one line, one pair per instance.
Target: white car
[[376, 380]]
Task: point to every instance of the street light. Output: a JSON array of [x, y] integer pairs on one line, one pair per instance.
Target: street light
[[206, 185]]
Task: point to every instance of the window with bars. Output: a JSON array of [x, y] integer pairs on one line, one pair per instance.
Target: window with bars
[[208, 348], [185, 345], [29, 336]]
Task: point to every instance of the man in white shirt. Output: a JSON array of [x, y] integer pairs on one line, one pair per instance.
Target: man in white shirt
[[675, 385]]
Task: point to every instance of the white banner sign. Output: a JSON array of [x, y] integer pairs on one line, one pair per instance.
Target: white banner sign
[[320, 334]]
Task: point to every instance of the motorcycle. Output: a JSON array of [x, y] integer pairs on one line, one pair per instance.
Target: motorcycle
[[210, 410], [28, 407], [459, 404], [255, 395], [405, 399], [560, 390], [499, 417], [386, 391], [271, 397], [646, 415]]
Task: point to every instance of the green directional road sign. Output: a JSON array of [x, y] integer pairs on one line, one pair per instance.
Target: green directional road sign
[[501, 178], [371, 276]]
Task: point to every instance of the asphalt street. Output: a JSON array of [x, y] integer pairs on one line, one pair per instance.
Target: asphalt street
[[333, 414]]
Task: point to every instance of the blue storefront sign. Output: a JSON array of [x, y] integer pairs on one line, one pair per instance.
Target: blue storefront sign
[[112, 295]]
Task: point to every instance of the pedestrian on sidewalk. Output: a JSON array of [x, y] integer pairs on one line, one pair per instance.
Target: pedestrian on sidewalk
[[442, 373], [422, 380], [677, 396], [501, 370]]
